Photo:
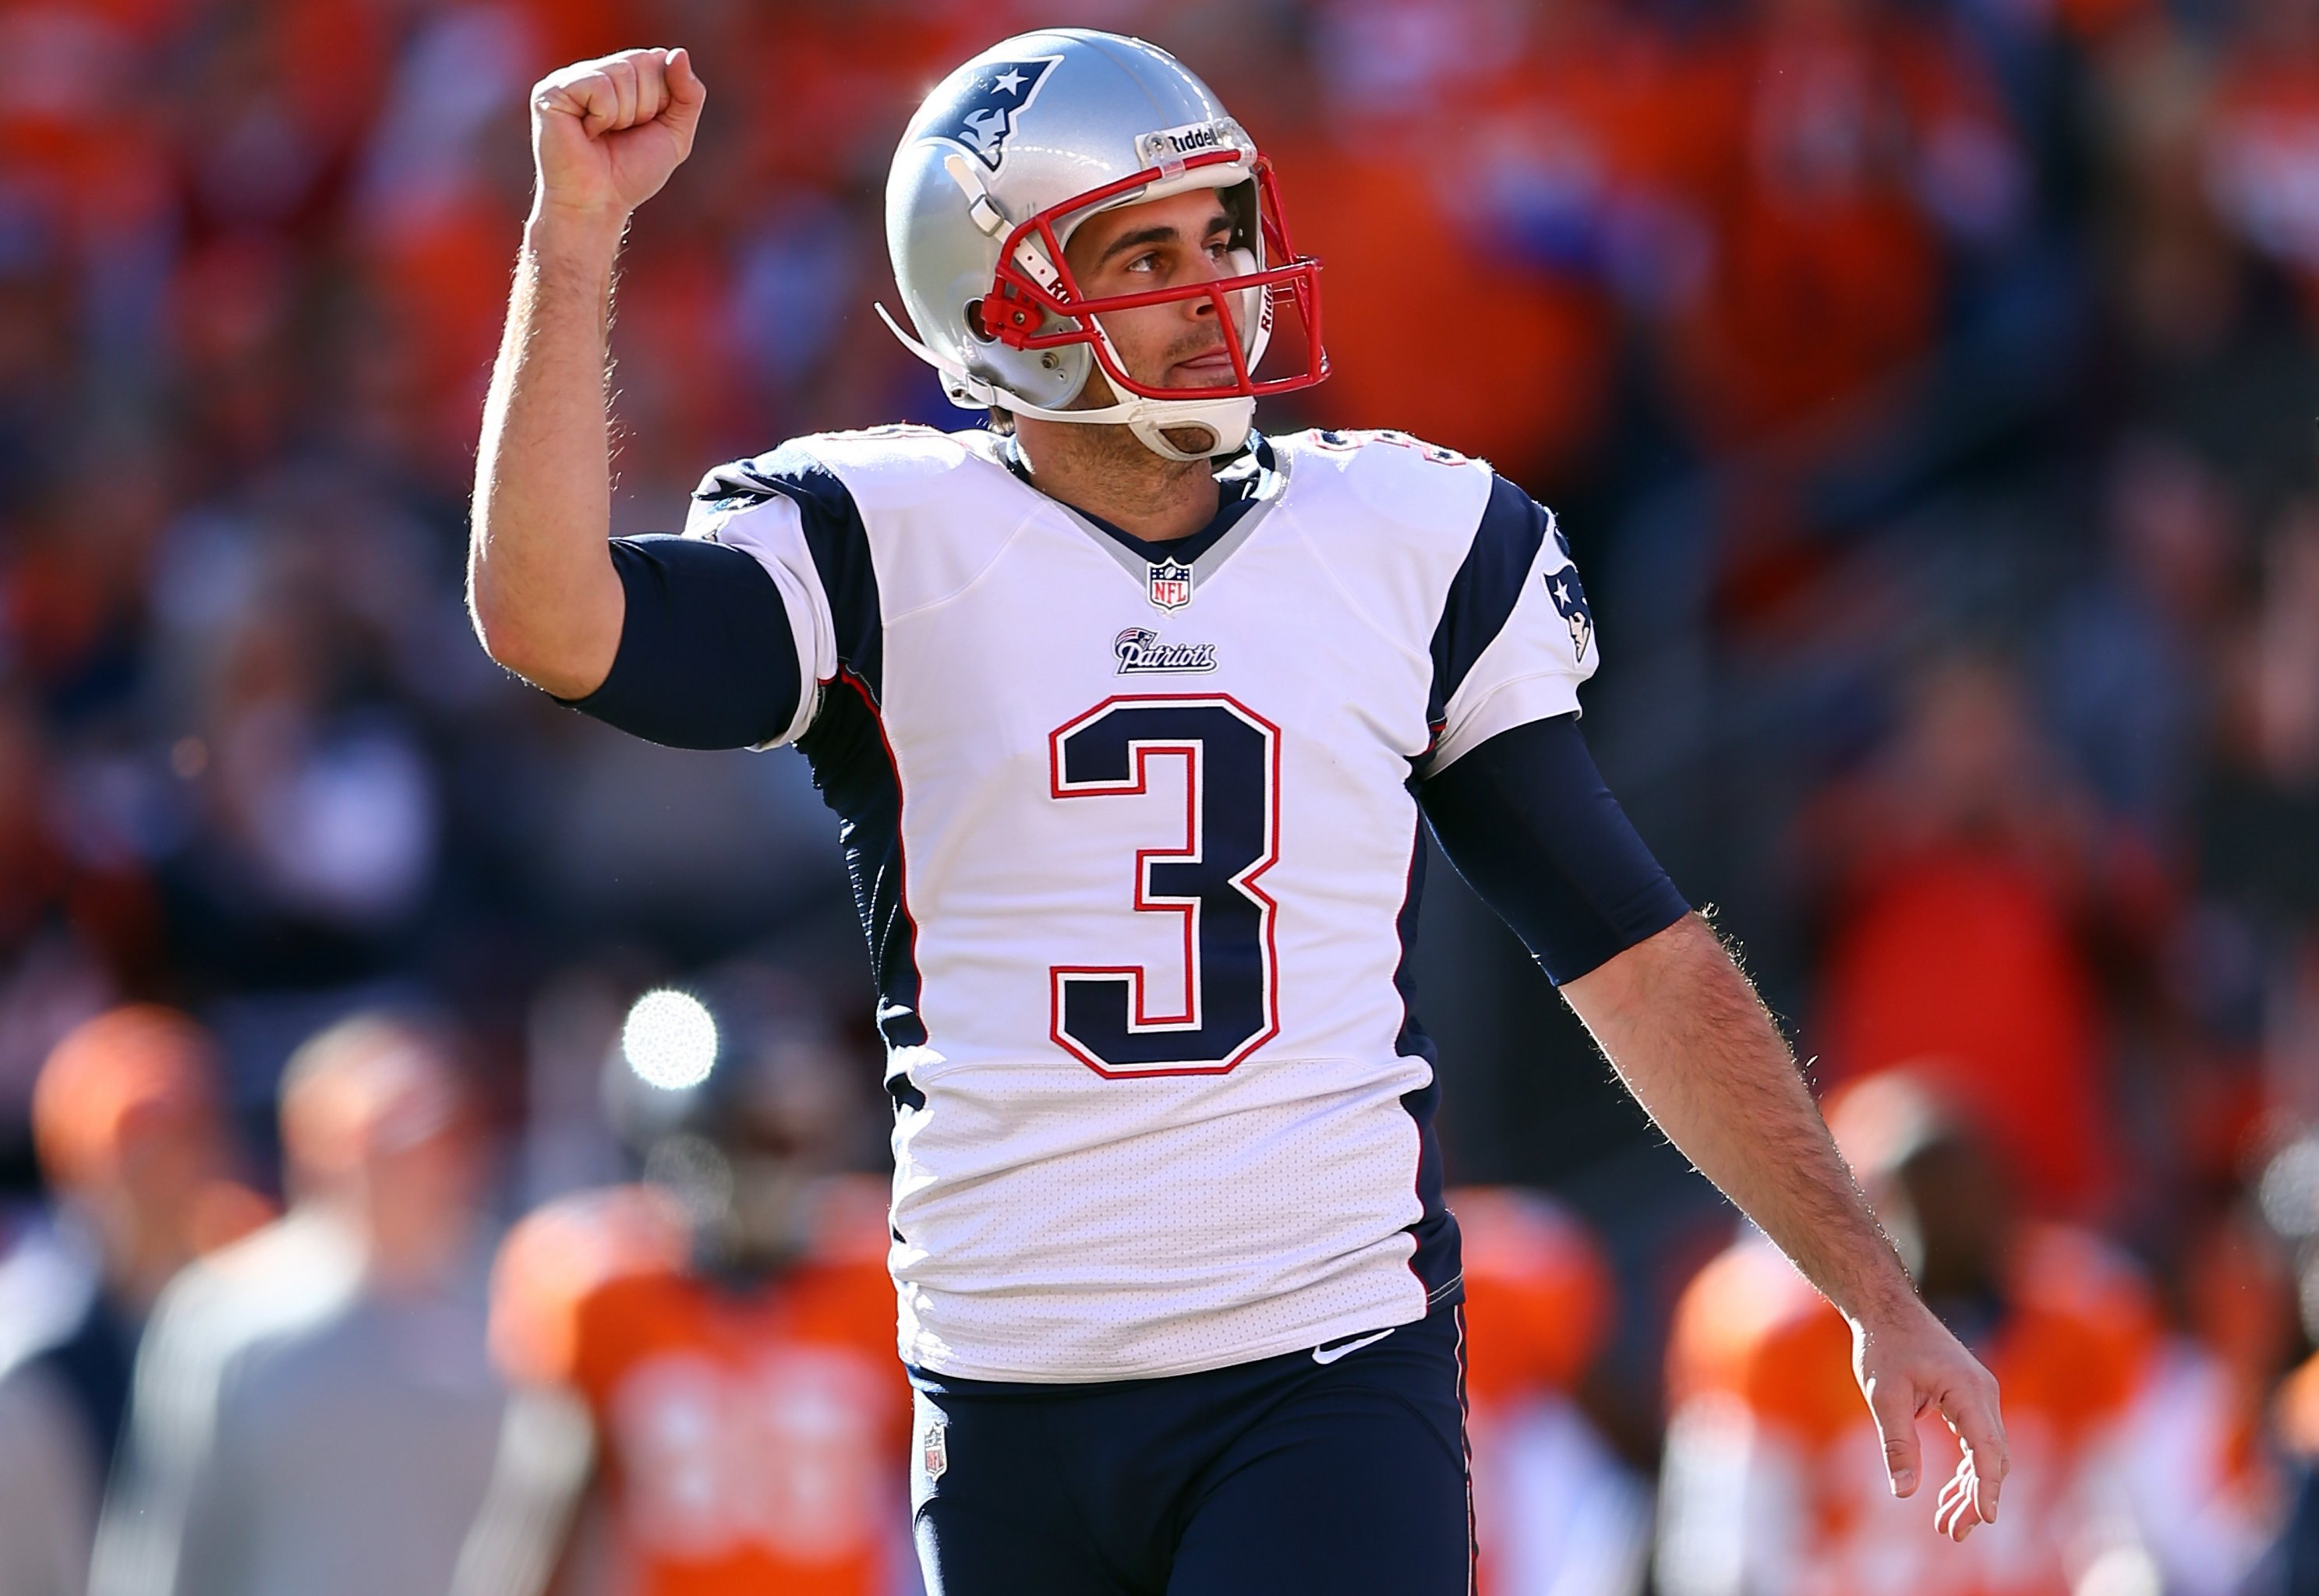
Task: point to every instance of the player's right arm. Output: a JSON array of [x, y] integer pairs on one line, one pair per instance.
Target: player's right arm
[[543, 591]]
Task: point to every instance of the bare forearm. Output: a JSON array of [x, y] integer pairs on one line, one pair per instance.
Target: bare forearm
[[1688, 1035], [544, 595]]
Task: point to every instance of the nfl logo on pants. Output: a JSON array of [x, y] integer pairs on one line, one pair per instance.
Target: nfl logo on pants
[[1171, 585], [933, 1456]]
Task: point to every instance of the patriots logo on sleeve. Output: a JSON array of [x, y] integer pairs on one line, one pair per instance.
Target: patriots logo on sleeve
[[982, 117], [1569, 598]]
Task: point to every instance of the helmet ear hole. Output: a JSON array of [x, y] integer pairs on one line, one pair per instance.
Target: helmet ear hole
[[975, 328], [1241, 203]]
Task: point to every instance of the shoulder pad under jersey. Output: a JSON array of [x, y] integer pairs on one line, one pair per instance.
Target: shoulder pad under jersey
[[886, 459], [1402, 478]]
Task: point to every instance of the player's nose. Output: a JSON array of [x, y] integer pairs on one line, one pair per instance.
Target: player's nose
[[1204, 307]]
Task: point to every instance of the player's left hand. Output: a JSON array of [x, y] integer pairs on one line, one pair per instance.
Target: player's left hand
[[1907, 1361]]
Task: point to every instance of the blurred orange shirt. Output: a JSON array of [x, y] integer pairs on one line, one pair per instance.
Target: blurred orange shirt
[[1774, 1461], [752, 1440], [1961, 963]]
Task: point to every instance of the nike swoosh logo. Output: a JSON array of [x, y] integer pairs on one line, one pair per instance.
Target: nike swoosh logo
[[1332, 1353]]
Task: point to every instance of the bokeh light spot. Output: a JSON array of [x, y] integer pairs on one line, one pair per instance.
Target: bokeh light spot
[[670, 1040]]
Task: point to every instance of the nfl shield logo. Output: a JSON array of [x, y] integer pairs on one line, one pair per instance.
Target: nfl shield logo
[[1171, 585], [935, 1458]]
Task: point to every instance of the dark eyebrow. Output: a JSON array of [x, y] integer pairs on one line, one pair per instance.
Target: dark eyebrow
[[1162, 234]]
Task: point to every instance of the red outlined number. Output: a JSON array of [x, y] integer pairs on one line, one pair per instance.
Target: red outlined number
[[1126, 1020]]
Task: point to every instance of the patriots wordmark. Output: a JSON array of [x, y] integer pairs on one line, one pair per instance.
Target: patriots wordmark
[[1141, 653]]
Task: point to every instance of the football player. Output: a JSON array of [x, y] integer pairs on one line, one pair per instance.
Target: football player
[[703, 1359], [1133, 718]]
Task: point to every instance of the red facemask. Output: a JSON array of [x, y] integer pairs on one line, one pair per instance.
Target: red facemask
[[1031, 288]]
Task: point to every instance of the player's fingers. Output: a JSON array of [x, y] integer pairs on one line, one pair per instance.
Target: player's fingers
[[685, 93], [649, 92], [604, 85], [1955, 1516], [587, 96], [684, 84], [1894, 1404], [621, 73], [1973, 1412]]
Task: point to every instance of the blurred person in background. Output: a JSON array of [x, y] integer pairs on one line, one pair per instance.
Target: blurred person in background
[[1556, 1512], [314, 1409], [1965, 860], [132, 1139], [2262, 140], [2200, 1456], [1542, 144], [1763, 1493], [707, 1400], [1850, 148]]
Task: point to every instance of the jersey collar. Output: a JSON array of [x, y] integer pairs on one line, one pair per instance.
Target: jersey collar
[[1249, 482]]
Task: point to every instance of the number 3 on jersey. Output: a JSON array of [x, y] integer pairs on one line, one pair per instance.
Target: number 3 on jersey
[[1104, 1014]]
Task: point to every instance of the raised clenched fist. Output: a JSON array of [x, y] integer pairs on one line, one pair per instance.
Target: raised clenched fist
[[606, 133]]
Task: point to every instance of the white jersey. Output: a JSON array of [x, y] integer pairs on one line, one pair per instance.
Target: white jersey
[[1136, 843]]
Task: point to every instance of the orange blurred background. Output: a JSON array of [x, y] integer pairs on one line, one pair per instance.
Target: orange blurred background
[[1927, 387]]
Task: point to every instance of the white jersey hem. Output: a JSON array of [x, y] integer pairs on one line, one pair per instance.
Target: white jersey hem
[[1302, 1340]]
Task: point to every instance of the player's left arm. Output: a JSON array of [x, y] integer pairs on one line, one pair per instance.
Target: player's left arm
[[1527, 818], [1685, 1031]]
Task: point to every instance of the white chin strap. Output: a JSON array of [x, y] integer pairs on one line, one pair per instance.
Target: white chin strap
[[1226, 420]]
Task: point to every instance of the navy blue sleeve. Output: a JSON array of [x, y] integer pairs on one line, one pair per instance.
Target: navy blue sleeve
[[1529, 823], [706, 659], [836, 538]]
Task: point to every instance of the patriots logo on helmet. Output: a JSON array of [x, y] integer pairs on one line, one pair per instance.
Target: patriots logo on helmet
[[982, 118], [1570, 599]]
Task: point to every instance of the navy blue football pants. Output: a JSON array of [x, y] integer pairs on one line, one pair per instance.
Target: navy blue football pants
[[1282, 1477]]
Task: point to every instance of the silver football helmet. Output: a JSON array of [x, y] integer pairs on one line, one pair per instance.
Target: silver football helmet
[[1005, 160]]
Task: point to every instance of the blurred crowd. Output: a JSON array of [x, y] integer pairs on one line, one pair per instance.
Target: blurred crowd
[[1929, 388]]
